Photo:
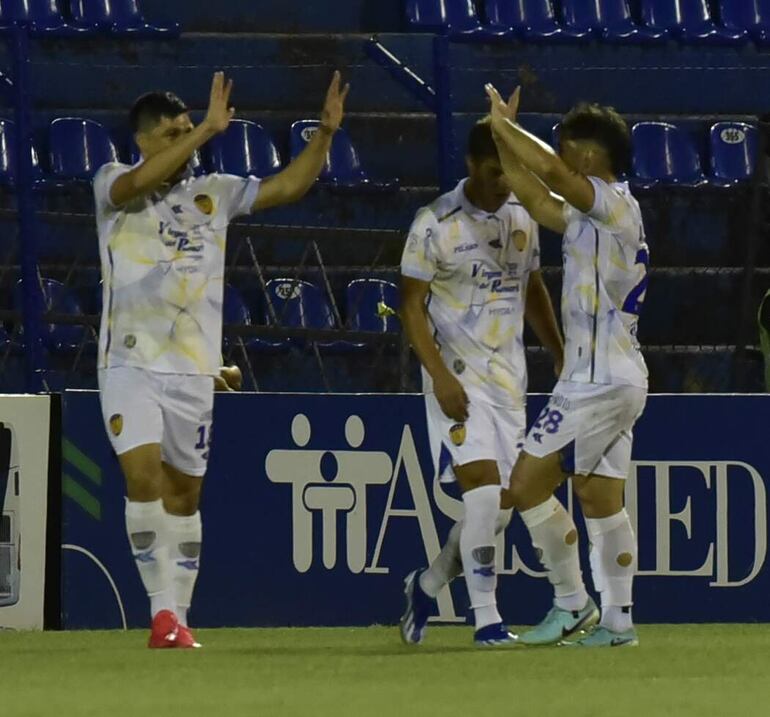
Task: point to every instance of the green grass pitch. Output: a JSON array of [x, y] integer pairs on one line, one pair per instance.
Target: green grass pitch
[[678, 671]]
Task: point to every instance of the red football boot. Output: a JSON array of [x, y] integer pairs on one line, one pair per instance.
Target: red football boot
[[185, 638], [165, 630]]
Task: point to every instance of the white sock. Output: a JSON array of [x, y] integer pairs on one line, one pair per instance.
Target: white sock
[[613, 564], [554, 536], [184, 539], [146, 527], [448, 564], [477, 550]]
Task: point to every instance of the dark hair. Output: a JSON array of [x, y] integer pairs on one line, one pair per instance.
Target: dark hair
[[481, 145], [602, 125], [150, 108]]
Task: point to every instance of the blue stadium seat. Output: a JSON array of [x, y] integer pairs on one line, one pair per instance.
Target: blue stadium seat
[[245, 148], [43, 17], [135, 156], [299, 303], [343, 169], [236, 312], [688, 20], [608, 19], [749, 15], [119, 17], [733, 152], [8, 155], [457, 18], [57, 338], [531, 20], [363, 300], [664, 153], [78, 147]]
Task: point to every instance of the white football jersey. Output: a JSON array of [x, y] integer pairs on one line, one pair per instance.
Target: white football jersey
[[478, 265], [605, 280], [163, 261]]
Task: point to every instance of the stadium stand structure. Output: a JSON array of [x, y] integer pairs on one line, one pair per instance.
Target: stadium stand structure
[[335, 256]]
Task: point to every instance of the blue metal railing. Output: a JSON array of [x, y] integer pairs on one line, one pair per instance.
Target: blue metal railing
[[437, 98], [32, 298]]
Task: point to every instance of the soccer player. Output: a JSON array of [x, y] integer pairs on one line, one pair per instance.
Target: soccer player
[[470, 275], [162, 246], [586, 429]]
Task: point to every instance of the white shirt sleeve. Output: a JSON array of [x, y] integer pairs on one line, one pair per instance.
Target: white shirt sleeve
[[419, 260], [103, 181], [236, 195], [611, 206]]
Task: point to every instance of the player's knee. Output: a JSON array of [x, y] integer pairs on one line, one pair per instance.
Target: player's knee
[[183, 498], [476, 475], [517, 494], [182, 503], [143, 485], [143, 473]]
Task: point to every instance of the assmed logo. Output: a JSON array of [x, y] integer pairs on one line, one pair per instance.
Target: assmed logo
[[352, 490]]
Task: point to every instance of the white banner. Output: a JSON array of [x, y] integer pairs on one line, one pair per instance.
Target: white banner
[[24, 438]]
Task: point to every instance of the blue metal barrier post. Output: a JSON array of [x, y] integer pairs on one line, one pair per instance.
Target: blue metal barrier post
[[32, 302], [445, 130]]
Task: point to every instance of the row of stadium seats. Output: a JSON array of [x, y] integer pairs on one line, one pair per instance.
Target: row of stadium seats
[[359, 305], [78, 147], [663, 153], [688, 21], [667, 154], [295, 303], [62, 18]]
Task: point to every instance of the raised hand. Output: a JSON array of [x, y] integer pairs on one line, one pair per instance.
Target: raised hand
[[499, 109], [219, 112], [334, 105], [513, 104]]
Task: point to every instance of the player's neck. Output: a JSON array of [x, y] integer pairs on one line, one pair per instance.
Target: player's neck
[[477, 199], [606, 175]]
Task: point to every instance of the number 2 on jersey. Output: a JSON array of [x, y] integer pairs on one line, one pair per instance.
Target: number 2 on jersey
[[635, 298]]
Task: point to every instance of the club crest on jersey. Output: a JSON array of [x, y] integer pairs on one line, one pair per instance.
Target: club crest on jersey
[[458, 366], [129, 341], [116, 424], [204, 203], [519, 239], [457, 434]]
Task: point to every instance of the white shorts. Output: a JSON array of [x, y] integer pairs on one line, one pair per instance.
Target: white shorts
[[492, 433], [591, 424], [175, 410]]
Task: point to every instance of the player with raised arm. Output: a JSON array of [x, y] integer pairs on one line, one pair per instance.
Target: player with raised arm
[[162, 247], [470, 275], [586, 429]]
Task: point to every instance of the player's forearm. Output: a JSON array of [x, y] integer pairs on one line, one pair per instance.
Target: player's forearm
[[534, 154], [155, 170], [414, 320], [301, 174], [529, 190], [540, 316]]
